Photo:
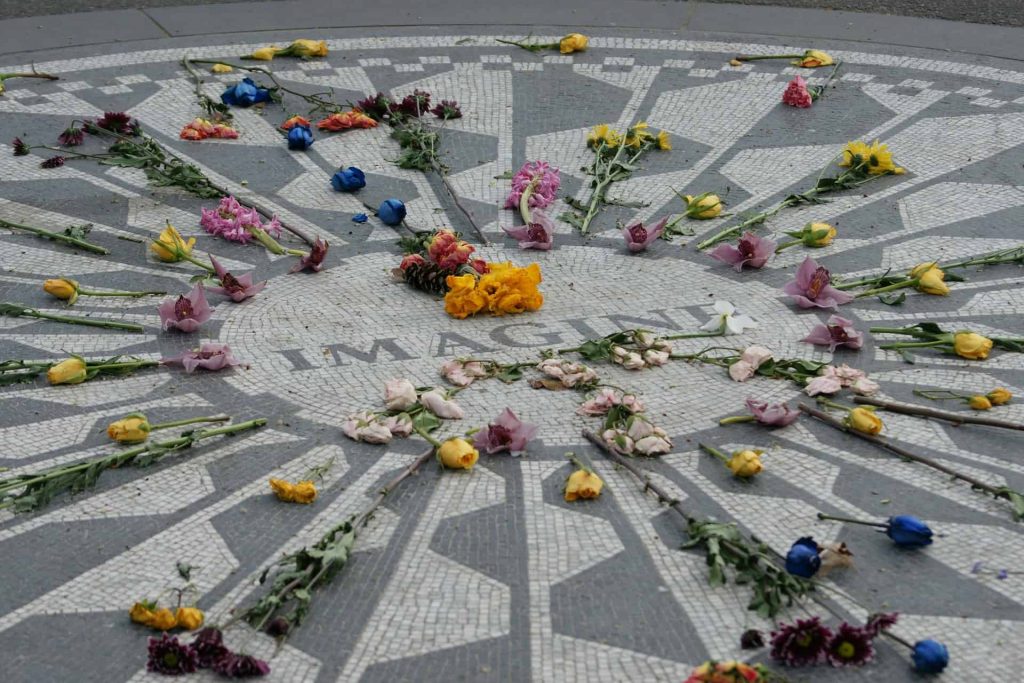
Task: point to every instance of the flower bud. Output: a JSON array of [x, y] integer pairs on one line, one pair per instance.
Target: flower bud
[[818, 235], [70, 371], [133, 428], [814, 58], [931, 282], [745, 464], [221, 69], [62, 288], [574, 42], [304, 47], [264, 54], [162, 619], [999, 396], [979, 402], [189, 618], [170, 246], [582, 484], [348, 179], [971, 345], [864, 421], [458, 454], [922, 268], [703, 207], [391, 211]]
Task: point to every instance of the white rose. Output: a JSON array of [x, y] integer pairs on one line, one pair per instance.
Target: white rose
[[435, 402], [399, 394]]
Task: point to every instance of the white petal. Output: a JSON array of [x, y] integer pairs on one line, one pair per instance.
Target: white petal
[[745, 322], [733, 326], [724, 307], [713, 324]]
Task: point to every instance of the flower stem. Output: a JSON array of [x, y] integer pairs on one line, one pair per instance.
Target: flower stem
[[911, 345], [193, 420], [714, 451], [74, 241], [736, 419], [465, 212], [955, 418], [524, 201], [695, 335], [889, 288], [16, 310], [124, 365], [754, 58], [32, 74], [822, 515], [134, 295], [576, 460], [428, 437], [832, 404], [787, 245]]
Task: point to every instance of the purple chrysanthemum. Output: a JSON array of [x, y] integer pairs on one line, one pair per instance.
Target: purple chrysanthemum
[[71, 137], [170, 657], [53, 162], [375, 106], [447, 109], [880, 622], [209, 647], [416, 104], [802, 643], [20, 148], [241, 666], [850, 646], [116, 122]]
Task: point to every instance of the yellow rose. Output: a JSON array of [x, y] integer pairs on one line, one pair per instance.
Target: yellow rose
[[170, 246], [131, 429], [745, 463], [864, 421], [818, 235], [62, 288], [308, 48], [163, 619], [931, 282], [971, 345], [814, 58], [264, 54], [142, 613], [221, 69], [70, 371], [922, 268], [999, 396], [574, 42], [458, 454], [304, 492], [979, 402], [703, 207], [582, 484], [189, 618]]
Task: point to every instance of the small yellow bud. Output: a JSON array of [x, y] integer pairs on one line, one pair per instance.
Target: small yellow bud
[[582, 484], [999, 396], [979, 402]]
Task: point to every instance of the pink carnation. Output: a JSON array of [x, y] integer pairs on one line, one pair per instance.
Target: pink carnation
[[796, 94], [544, 193]]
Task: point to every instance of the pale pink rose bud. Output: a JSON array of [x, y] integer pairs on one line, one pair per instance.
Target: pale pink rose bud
[[599, 404], [399, 394], [619, 352], [633, 361], [475, 369], [644, 339], [865, 386], [618, 441], [652, 357], [634, 403], [435, 402], [662, 345], [350, 427], [822, 385], [847, 375], [653, 445], [399, 425], [375, 432], [552, 367], [756, 355], [741, 371]]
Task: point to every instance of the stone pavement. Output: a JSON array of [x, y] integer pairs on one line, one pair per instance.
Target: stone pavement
[[490, 575]]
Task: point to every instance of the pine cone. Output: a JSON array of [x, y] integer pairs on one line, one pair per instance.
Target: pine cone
[[428, 277]]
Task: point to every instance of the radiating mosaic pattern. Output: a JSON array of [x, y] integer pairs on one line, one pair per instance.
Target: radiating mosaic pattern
[[489, 575]]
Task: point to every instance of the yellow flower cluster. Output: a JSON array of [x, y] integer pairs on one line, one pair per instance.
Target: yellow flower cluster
[[634, 137], [503, 289], [876, 157], [304, 492], [163, 619]]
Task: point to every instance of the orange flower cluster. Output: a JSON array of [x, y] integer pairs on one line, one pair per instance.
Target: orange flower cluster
[[503, 289], [200, 129], [295, 121], [349, 119]]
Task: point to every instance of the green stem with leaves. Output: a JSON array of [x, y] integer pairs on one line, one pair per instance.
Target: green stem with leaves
[[57, 237]]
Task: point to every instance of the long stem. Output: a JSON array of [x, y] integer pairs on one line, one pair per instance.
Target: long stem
[[32, 74], [135, 364], [88, 322], [754, 58], [753, 220], [427, 436], [696, 335], [832, 404], [134, 295], [736, 419], [955, 418], [192, 420], [889, 288], [912, 345], [714, 451], [451, 193], [74, 241], [822, 515]]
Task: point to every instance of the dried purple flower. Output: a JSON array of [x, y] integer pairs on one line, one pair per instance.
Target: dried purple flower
[[169, 657], [416, 104], [638, 238], [117, 122], [241, 666], [53, 162], [539, 234], [71, 137], [774, 414], [20, 148], [209, 647], [209, 356], [751, 250], [836, 332], [279, 626], [850, 646], [448, 109], [880, 622], [802, 643], [812, 287], [751, 639], [238, 288], [375, 106], [507, 433], [1003, 574], [314, 260], [187, 312]]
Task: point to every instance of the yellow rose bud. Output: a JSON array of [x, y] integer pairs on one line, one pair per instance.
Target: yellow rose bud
[[264, 54], [163, 619], [309, 48], [189, 618], [864, 421], [70, 371], [574, 42], [131, 429], [815, 58], [142, 613], [582, 484], [818, 235], [922, 268], [62, 288], [979, 402], [458, 454], [999, 396], [971, 345], [221, 69], [931, 282], [170, 246], [703, 206], [745, 463]]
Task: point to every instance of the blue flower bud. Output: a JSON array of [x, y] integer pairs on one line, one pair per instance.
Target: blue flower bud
[[391, 211], [348, 179], [930, 656], [803, 559], [300, 138], [908, 531], [245, 94], [360, 218]]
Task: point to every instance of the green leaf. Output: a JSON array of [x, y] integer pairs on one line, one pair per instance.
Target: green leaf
[[184, 570], [426, 421], [893, 298], [929, 327], [908, 357], [1016, 499]]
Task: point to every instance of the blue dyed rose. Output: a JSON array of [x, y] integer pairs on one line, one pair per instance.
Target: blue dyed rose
[[245, 94], [908, 531], [300, 138], [391, 211], [930, 656], [360, 218], [803, 559], [348, 179]]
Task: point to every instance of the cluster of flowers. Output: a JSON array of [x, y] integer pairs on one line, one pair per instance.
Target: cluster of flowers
[[235, 222], [626, 430], [635, 137], [302, 48], [201, 129], [346, 120], [731, 671], [380, 107], [73, 136], [502, 289], [832, 379], [808, 642], [148, 613], [646, 352], [170, 657], [564, 374], [402, 401], [534, 188]]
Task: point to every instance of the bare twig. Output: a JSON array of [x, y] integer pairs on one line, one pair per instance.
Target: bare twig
[[956, 418]]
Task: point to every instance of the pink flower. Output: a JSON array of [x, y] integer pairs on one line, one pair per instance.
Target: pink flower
[[751, 250], [462, 373], [568, 373], [865, 386], [655, 358], [232, 221], [633, 402], [545, 191], [741, 371], [835, 333], [824, 384], [796, 94], [187, 312], [845, 374], [314, 260], [774, 414], [618, 441], [240, 288], [399, 425], [209, 356], [539, 234], [399, 394], [638, 238], [653, 445], [647, 439], [507, 433], [812, 288], [600, 403], [437, 403], [365, 427], [756, 355]]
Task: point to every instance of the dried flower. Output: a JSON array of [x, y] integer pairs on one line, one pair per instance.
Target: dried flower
[[71, 137], [209, 647], [836, 332], [573, 42], [20, 148], [377, 106], [539, 234], [399, 394], [751, 250], [462, 373], [238, 288], [751, 639], [187, 312], [880, 622], [116, 122], [241, 666], [53, 162], [209, 356], [303, 492], [447, 109], [802, 643], [293, 121], [438, 403], [169, 657], [416, 104], [774, 414], [346, 120], [188, 618], [314, 260], [569, 374], [506, 433]]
